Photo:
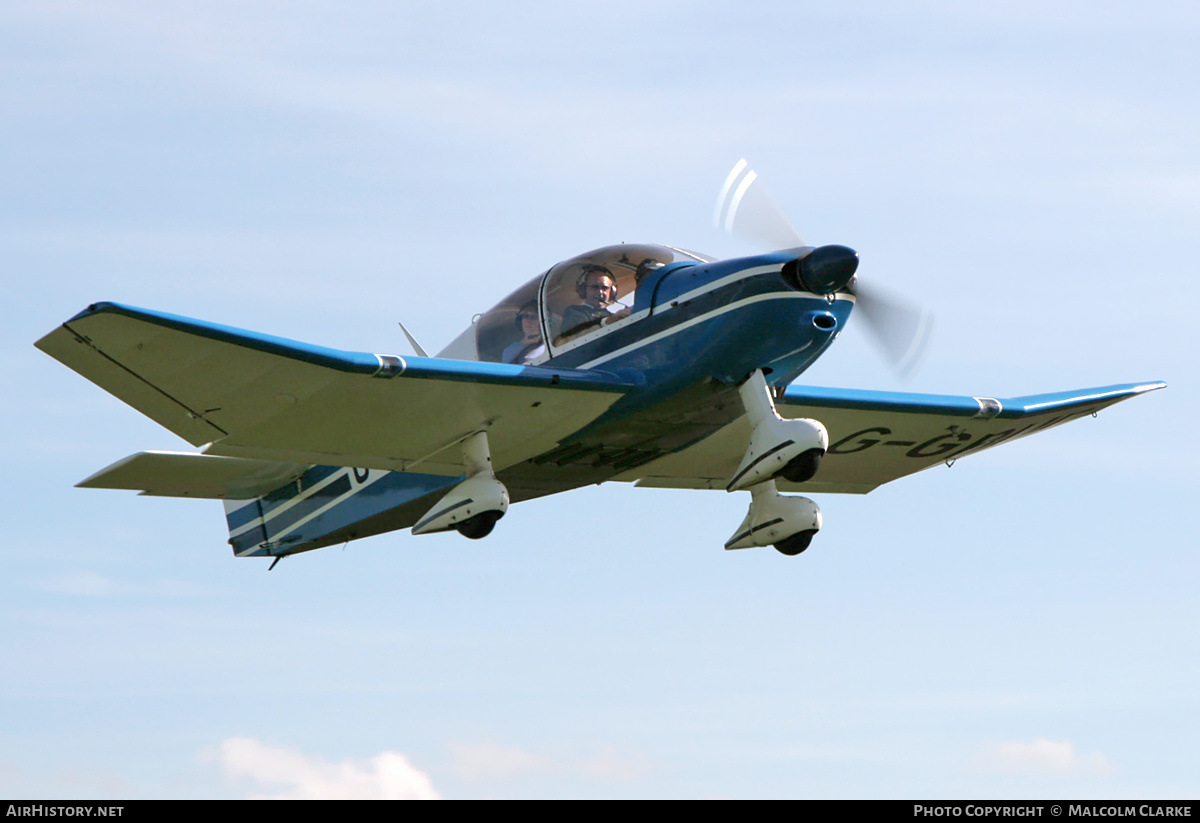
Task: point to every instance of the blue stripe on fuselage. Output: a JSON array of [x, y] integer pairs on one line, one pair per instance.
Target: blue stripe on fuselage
[[667, 317], [724, 334], [719, 320]]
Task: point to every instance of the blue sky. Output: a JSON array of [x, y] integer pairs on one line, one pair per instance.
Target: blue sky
[[1021, 624]]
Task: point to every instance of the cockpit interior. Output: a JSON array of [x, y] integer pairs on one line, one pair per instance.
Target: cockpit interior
[[572, 302]]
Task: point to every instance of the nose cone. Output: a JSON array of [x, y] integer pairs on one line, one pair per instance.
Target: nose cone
[[828, 268]]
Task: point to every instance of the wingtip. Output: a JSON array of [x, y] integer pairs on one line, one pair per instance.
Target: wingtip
[[98, 307], [1149, 386]]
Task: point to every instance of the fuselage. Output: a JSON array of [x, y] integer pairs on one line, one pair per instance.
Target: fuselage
[[685, 333], [691, 318]]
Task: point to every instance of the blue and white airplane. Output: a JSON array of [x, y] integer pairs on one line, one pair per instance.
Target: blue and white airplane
[[638, 363]]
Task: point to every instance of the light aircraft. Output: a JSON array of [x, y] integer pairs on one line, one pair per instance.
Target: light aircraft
[[640, 363]]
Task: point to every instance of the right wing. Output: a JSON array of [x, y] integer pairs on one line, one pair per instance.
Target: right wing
[[877, 437], [247, 395]]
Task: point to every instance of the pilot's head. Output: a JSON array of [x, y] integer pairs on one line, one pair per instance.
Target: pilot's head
[[598, 287], [527, 322]]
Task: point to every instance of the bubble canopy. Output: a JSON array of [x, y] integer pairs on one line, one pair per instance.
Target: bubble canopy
[[572, 301]]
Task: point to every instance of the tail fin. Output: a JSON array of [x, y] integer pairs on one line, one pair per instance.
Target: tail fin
[[275, 508]]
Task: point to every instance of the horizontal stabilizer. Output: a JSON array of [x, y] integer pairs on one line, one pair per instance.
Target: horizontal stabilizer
[[184, 474]]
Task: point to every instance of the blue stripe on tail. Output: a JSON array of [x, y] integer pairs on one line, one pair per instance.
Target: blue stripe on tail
[[324, 506]]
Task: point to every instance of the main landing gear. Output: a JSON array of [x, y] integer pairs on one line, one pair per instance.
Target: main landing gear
[[473, 506], [791, 449]]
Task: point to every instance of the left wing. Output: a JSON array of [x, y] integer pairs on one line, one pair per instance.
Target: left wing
[[877, 437], [248, 395]]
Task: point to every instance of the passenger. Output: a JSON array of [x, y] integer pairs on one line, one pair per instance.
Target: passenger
[[597, 288], [530, 345]]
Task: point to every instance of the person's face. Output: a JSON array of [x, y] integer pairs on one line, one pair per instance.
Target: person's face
[[529, 325], [599, 289]]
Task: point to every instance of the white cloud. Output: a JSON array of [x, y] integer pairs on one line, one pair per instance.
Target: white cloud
[[289, 774], [1051, 758]]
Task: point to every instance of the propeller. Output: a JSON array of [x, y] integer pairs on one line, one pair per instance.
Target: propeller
[[899, 329]]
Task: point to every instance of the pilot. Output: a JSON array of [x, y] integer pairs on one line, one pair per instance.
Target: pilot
[[530, 345], [598, 289]]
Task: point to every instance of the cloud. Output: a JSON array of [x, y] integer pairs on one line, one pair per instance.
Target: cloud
[[1047, 758], [297, 776]]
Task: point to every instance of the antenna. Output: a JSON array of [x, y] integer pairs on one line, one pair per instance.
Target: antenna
[[412, 341]]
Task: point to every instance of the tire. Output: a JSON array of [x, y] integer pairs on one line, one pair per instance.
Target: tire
[[802, 467], [797, 543], [479, 526]]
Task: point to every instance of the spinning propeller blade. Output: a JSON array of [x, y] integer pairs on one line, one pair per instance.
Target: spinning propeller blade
[[899, 329], [744, 208]]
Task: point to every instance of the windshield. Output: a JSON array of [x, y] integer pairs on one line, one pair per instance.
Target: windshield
[[511, 331], [580, 295]]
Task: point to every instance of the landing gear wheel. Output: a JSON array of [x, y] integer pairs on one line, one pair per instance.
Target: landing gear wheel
[[795, 544], [480, 525], [802, 467]]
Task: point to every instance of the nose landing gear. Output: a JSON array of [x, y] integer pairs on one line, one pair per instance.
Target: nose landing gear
[[791, 449]]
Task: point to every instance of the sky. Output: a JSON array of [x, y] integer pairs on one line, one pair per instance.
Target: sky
[[1022, 624]]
